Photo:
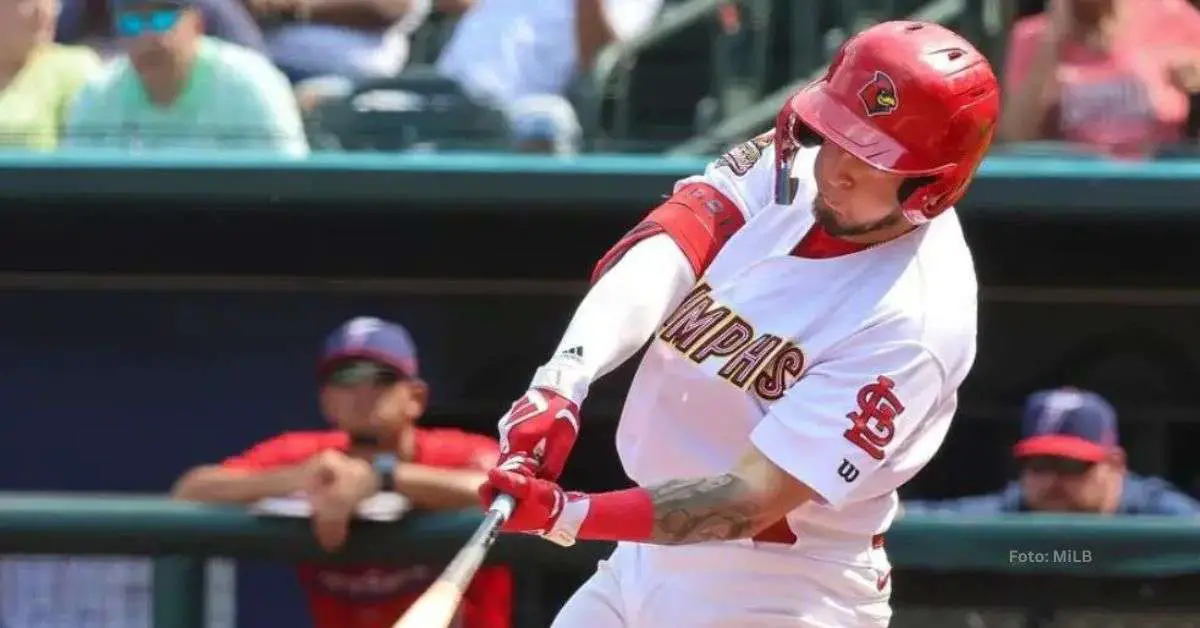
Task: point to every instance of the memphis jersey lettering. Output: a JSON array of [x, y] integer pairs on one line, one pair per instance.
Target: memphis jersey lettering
[[704, 330]]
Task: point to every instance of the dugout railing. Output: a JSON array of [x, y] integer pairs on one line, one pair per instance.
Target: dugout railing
[[1027, 570]]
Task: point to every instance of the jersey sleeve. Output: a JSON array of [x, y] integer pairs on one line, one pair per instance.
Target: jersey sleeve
[[704, 211], [840, 422], [266, 110], [479, 452], [452, 448]]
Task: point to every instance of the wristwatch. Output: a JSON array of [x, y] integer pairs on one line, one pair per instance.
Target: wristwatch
[[385, 467]]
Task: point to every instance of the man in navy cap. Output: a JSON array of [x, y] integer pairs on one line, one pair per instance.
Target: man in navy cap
[[372, 393], [1070, 462]]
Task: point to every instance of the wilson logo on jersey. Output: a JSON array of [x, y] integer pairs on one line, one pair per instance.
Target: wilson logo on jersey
[[702, 329]]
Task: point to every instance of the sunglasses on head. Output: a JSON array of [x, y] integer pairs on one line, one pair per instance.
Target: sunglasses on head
[[1056, 465], [359, 372], [140, 22]]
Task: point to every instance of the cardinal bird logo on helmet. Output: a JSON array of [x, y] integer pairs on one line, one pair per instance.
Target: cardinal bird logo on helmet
[[879, 96]]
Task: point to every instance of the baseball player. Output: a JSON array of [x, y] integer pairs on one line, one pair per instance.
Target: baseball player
[[810, 304], [373, 395]]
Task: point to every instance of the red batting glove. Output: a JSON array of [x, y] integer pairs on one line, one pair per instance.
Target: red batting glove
[[537, 433], [544, 508], [539, 503]]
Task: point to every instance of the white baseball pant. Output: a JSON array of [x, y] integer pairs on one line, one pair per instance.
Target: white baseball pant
[[731, 585]]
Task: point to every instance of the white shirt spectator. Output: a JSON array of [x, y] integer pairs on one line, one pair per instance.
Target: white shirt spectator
[[327, 49], [502, 50]]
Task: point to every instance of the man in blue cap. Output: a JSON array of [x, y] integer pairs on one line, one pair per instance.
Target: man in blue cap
[[1070, 462], [372, 394]]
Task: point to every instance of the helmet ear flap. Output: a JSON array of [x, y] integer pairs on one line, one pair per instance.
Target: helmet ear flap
[[911, 185], [807, 137], [922, 198]]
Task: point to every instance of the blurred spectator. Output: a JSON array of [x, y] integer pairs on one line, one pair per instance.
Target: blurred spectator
[[358, 39], [1070, 463], [544, 124], [372, 394], [176, 88], [89, 22], [1111, 75], [504, 50], [38, 78]]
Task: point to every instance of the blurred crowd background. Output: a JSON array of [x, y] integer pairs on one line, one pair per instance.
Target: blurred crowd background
[[1089, 81], [556, 76]]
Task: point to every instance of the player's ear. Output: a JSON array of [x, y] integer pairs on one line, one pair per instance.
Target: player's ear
[[1116, 458], [418, 397]]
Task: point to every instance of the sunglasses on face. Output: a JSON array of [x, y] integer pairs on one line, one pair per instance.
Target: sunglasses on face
[[1056, 465], [362, 372], [137, 23]]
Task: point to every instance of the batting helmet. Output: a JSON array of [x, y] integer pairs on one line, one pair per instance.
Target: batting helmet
[[912, 98]]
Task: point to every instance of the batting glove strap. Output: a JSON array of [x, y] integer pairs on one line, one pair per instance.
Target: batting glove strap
[[566, 382], [566, 527]]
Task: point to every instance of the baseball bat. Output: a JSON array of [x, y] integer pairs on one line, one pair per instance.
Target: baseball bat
[[437, 606]]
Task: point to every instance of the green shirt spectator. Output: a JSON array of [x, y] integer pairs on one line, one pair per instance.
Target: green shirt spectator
[[158, 96]]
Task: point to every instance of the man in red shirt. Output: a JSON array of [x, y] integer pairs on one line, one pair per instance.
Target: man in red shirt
[[373, 396]]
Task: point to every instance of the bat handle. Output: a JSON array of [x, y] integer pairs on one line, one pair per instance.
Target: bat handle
[[462, 568], [437, 606], [503, 506]]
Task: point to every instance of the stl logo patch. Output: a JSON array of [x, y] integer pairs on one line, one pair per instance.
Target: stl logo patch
[[879, 96], [874, 423]]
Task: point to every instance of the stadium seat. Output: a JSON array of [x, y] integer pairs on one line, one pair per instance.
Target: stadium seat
[[418, 109]]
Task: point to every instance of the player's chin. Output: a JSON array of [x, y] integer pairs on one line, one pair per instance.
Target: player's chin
[[835, 227], [826, 217], [365, 429]]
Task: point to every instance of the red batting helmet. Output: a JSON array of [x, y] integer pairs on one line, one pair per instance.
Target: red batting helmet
[[913, 98]]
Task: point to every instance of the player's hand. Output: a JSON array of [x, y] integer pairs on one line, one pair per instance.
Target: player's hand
[[336, 484], [537, 434], [539, 503]]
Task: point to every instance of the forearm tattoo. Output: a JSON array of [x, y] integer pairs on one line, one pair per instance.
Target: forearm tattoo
[[718, 508]]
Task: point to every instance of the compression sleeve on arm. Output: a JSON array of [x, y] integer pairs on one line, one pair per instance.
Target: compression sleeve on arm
[[621, 311]]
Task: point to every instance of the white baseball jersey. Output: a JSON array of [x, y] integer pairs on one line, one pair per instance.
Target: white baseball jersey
[[842, 370]]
